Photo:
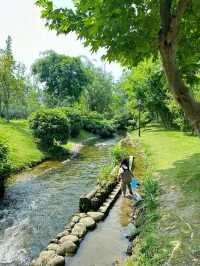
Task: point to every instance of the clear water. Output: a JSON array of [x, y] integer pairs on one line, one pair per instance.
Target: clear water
[[39, 203], [107, 245]]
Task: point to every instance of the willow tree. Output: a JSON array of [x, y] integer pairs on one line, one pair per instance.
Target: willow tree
[[131, 30]]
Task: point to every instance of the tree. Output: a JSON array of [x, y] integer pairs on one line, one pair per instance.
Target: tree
[[98, 93], [146, 83], [7, 79], [64, 77], [133, 30]]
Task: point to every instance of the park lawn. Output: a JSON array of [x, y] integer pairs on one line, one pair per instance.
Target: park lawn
[[172, 234], [175, 155], [23, 150]]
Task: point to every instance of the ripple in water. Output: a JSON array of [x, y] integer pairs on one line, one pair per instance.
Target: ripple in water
[[36, 208]]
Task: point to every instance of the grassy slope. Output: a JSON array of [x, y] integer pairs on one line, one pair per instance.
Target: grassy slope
[[22, 146], [18, 137], [176, 161]]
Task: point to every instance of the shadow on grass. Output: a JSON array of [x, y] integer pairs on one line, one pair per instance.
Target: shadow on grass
[[186, 174]]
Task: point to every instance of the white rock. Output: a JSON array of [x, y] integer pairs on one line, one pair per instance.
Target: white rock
[[89, 222], [82, 215], [75, 219], [97, 216], [69, 247], [52, 247], [79, 230], [72, 238]]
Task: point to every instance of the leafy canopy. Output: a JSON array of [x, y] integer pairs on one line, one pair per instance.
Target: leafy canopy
[[127, 29], [64, 76]]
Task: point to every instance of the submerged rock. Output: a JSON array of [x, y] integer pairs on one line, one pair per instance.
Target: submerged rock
[[89, 222]]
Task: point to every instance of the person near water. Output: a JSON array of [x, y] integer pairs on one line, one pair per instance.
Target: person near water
[[125, 176]]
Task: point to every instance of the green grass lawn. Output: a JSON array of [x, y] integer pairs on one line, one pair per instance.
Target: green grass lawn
[[23, 149], [175, 155], [173, 237]]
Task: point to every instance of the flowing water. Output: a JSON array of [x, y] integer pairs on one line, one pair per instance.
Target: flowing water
[[37, 204]]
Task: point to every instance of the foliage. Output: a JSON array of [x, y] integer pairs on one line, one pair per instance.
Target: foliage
[[64, 77], [119, 153], [132, 31], [95, 123], [150, 187], [124, 121], [50, 126], [146, 83], [4, 160], [98, 92], [122, 27], [107, 176], [75, 119], [19, 96]]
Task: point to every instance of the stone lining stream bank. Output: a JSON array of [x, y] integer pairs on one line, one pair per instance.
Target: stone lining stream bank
[[67, 242], [38, 203]]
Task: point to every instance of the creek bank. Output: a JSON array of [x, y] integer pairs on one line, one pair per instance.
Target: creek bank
[[67, 242], [37, 206], [94, 207], [73, 150]]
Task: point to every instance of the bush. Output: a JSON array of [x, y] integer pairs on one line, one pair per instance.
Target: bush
[[75, 120], [124, 120], [119, 153], [95, 123], [51, 126], [4, 161]]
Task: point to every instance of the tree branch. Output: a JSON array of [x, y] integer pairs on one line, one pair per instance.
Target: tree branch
[[176, 20]]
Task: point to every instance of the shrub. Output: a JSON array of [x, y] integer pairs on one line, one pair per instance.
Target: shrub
[[124, 120], [4, 161], [51, 126], [75, 120], [95, 123], [119, 153]]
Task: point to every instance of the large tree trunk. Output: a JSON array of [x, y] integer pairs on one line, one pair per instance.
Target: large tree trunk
[[170, 25]]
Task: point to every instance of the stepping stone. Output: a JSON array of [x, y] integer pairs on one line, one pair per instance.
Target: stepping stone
[[69, 247], [53, 247], [56, 261], [69, 238], [64, 233], [79, 230], [75, 219], [97, 216], [89, 222], [82, 215]]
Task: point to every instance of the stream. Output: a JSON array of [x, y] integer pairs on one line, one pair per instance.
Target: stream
[[39, 203]]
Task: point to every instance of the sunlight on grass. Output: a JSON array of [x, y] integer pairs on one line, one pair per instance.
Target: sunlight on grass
[[22, 146]]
